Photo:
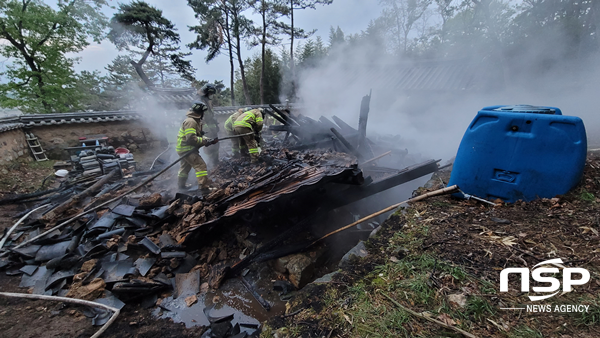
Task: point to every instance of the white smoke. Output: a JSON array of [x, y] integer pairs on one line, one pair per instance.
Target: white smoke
[[432, 122]]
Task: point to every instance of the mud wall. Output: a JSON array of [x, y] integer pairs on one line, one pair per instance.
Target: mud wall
[[133, 135], [13, 145]]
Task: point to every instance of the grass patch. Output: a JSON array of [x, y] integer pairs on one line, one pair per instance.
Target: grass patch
[[457, 273], [487, 287], [590, 318], [479, 308], [421, 292], [587, 196], [525, 331], [41, 165]]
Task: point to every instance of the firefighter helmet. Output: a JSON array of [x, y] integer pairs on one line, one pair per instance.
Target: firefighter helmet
[[208, 89], [199, 107]]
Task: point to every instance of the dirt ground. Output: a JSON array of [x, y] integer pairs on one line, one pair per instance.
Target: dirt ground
[[442, 257]]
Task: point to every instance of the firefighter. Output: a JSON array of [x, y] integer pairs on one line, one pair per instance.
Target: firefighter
[[235, 146], [189, 138], [250, 121], [211, 125]]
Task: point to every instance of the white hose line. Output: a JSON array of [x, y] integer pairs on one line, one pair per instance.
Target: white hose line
[[71, 300], [17, 224], [159, 155]]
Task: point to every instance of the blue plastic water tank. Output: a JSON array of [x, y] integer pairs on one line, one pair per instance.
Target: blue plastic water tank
[[520, 152]]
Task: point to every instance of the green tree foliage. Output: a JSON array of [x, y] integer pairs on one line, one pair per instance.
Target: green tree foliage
[[141, 29], [573, 26], [92, 96], [403, 14], [268, 32], [296, 33], [40, 76], [336, 37], [271, 78], [222, 26], [311, 52]]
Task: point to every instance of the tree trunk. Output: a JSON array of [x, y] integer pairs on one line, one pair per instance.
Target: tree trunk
[[138, 67], [264, 43], [230, 48], [47, 107], [244, 83], [236, 33], [38, 75], [292, 64]]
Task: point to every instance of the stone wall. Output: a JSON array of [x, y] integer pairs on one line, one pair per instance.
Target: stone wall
[[13, 145], [133, 135]]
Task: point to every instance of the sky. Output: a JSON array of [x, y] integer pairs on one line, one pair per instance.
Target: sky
[[351, 16]]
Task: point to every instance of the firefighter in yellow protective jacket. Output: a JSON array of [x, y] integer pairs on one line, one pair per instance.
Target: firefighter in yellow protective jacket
[[235, 146], [189, 138], [249, 122]]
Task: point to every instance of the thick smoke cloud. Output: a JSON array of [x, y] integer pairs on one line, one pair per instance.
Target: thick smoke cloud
[[432, 121]]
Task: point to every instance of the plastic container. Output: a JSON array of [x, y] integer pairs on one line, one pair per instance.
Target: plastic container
[[520, 153], [120, 151]]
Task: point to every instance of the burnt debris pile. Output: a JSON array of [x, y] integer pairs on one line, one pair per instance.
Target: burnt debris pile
[[124, 237]]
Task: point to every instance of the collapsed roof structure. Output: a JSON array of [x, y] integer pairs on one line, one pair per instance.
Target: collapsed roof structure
[[118, 243]]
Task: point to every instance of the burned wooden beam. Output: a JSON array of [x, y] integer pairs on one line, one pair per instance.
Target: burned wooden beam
[[278, 118], [328, 124], [362, 120], [287, 117], [284, 127], [342, 139], [76, 199], [344, 127]]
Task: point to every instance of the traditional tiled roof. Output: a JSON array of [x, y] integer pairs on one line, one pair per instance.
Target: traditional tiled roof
[[452, 75], [9, 126], [33, 120]]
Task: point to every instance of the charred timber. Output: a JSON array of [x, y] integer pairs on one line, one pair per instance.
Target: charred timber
[[285, 116], [344, 127], [76, 199], [278, 118], [342, 139]]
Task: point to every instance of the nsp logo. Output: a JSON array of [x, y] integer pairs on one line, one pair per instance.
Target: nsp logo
[[536, 274]]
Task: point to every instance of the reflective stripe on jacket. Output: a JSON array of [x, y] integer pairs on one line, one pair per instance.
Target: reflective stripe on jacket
[[229, 122], [251, 119], [189, 136]]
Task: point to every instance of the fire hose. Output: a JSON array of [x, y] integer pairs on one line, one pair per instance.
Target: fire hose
[[234, 136]]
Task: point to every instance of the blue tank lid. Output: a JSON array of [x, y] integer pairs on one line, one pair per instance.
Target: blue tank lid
[[525, 108]]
